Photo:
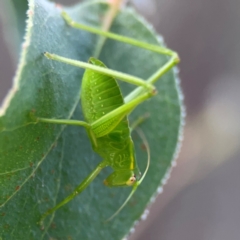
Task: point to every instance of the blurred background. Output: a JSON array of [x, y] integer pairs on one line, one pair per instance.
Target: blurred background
[[201, 201]]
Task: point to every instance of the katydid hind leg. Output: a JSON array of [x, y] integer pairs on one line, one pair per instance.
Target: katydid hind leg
[[172, 61], [174, 58], [120, 38], [111, 120], [106, 71]]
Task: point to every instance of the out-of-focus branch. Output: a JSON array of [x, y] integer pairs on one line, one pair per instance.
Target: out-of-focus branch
[[114, 6]]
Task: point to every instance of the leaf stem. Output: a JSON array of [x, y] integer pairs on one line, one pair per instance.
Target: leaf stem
[[114, 6]]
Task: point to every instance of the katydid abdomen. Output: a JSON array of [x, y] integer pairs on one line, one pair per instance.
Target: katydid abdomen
[[101, 95]]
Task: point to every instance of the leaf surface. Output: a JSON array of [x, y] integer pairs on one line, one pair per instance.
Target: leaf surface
[[40, 164]]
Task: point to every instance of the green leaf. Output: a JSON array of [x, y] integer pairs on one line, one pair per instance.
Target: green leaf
[[40, 164]]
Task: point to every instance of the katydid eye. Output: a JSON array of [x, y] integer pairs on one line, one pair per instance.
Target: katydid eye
[[132, 179]]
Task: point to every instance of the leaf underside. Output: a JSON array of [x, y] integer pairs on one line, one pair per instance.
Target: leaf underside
[[40, 164]]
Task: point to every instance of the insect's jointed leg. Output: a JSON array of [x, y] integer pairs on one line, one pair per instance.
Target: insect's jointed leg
[[119, 75], [77, 190], [143, 85], [165, 68], [118, 113], [140, 44], [65, 122]]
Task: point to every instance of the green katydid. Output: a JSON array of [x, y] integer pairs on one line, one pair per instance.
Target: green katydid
[[105, 112]]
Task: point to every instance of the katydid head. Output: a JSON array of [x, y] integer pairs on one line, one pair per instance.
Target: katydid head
[[126, 171], [123, 177], [137, 181]]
